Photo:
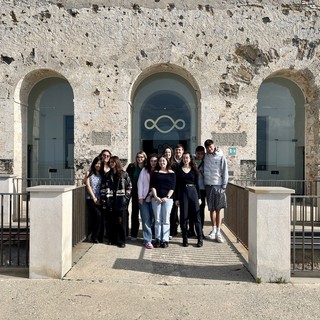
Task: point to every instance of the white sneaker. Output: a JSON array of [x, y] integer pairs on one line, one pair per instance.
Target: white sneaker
[[219, 238], [211, 235]]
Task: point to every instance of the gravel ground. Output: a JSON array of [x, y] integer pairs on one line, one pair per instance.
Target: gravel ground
[[107, 282]]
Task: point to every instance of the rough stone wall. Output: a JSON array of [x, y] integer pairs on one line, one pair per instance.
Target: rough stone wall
[[101, 48]]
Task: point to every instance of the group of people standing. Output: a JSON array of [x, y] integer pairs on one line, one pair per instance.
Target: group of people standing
[[159, 187]]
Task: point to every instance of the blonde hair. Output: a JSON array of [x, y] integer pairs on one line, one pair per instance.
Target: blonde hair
[[141, 153]]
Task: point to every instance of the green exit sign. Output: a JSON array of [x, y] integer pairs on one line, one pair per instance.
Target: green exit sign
[[232, 151]]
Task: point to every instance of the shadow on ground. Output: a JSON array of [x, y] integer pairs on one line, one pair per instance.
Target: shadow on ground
[[236, 272]]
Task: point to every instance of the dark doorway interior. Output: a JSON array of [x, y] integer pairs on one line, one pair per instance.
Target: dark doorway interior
[[148, 146]]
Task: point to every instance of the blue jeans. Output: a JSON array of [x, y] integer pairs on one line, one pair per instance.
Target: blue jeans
[[147, 218], [161, 213]]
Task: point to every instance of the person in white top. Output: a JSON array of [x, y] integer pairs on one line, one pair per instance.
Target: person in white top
[[215, 170], [144, 195]]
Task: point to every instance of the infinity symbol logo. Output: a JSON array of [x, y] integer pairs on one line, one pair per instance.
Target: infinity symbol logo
[[151, 124]]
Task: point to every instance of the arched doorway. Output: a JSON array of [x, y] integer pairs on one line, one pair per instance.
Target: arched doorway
[[164, 113], [280, 130], [50, 134]]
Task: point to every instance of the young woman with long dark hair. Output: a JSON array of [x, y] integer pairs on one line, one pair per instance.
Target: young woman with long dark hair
[[115, 195], [92, 181], [188, 195]]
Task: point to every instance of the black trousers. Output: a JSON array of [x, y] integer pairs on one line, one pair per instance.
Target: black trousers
[[95, 220], [202, 207], [135, 215], [189, 208], [118, 226]]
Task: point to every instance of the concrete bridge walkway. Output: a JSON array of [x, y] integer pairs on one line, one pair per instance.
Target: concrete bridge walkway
[[173, 265]]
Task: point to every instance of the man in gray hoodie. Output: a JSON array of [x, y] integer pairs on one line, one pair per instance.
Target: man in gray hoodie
[[215, 180]]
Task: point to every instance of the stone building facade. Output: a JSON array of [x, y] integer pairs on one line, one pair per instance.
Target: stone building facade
[[212, 57]]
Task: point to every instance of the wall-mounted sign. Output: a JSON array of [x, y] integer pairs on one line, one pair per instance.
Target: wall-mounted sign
[[232, 151]]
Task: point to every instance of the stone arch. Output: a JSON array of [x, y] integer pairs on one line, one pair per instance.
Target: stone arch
[[165, 67], [176, 71], [21, 96], [305, 80]]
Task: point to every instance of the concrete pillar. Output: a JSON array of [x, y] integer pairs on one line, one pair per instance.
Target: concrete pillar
[[269, 233], [50, 231], [6, 186]]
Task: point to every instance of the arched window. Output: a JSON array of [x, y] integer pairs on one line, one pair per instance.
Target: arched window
[[164, 113], [51, 130], [280, 130]]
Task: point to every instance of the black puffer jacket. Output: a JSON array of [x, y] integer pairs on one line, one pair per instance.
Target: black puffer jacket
[[115, 191]]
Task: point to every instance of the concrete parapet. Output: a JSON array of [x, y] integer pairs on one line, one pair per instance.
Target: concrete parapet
[[6, 183], [50, 231], [269, 233]]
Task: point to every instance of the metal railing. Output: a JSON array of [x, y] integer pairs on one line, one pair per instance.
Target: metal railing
[[79, 215], [14, 230], [305, 235], [304, 214], [79, 219], [236, 213]]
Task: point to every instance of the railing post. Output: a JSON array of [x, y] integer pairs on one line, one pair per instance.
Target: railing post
[[50, 231], [318, 191], [269, 233]]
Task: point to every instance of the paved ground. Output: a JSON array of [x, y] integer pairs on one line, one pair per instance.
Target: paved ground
[[107, 282]]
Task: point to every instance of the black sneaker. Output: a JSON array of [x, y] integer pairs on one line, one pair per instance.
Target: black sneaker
[[200, 243], [185, 243], [157, 243], [165, 244]]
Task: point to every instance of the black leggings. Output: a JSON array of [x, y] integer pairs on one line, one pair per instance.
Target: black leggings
[[189, 208], [96, 221], [135, 215]]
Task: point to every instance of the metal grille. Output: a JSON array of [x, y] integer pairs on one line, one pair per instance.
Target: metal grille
[[14, 230], [79, 217], [305, 235], [236, 213], [304, 214]]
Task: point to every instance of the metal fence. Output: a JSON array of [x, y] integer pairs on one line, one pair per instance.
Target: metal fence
[[14, 230], [79, 216], [236, 213], [305, 221], [14, 223], [305, 236], [79, 222]]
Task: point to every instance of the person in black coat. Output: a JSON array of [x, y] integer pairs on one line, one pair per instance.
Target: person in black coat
[[115, 196], [187, 197]]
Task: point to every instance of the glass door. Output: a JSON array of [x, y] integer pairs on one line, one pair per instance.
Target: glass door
[[164, 114]]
